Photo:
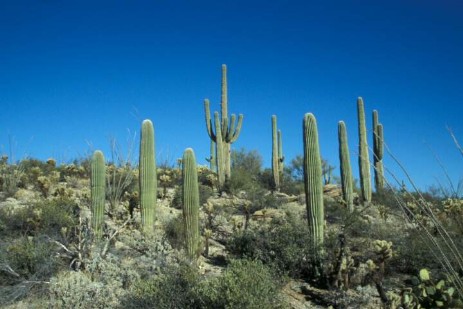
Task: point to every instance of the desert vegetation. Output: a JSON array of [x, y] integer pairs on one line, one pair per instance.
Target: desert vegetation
[[102, 233]]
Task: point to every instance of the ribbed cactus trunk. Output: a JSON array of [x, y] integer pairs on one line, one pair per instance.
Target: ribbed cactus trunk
[[345, 167], [148, 179], [213, 157], [277, 159], [220, 153], [98, 184], [191, 205], [313, 183], [229, 127], [364, 159], [378, 152]]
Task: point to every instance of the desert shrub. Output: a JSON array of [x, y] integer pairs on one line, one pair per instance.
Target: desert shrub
[[204, 193], [283, 245], [30, 258], [244, 284], [174, 230], [173, 288], [57, 217]]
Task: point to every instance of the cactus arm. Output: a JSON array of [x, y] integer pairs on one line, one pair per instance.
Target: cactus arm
[[281, 157], [207, 112], [234, 136]]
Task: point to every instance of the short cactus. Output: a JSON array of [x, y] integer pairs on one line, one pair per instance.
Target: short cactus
[[364, 160], [148, 179], [313, 182], [345, 167], [98, 184], [191, 204]]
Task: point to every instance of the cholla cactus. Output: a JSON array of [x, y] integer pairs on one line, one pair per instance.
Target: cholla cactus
[[383, 251]]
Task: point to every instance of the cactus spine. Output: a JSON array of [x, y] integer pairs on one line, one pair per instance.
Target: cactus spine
[[346, 170], [148, 179], [230, 129], [313, 182], [98, 183], [190, 204], [277, 154], [364, 160], [378, 152]]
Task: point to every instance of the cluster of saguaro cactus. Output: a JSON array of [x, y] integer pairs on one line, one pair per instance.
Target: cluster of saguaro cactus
[[148, 179], [364, 159], [313, 183], [98, 184], [378, 152], [277, 154], [191, 204], [345, 167], [226, 132]]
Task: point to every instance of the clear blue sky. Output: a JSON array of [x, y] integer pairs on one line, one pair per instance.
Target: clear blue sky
[[73, 72]]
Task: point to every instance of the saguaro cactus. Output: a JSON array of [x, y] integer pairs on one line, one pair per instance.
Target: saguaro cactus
[[277, 153], [98, 184], [148, 178], [364, 159], [190, 204], [345, 167], [378, 152], [229, 128], [313, 182]]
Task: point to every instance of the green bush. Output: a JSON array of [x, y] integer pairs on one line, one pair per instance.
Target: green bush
[[173, 288], [283, 245], [244, 284]]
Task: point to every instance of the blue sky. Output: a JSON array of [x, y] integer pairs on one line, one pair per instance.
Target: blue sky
[[79, 73]]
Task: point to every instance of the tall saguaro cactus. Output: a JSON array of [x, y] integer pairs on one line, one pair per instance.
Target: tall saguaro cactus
[[345, 167], [148, 178], [191, 204], [277, 153], [98, 184], [364, 159], [313, 183], [229, 127], [378, 152]]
